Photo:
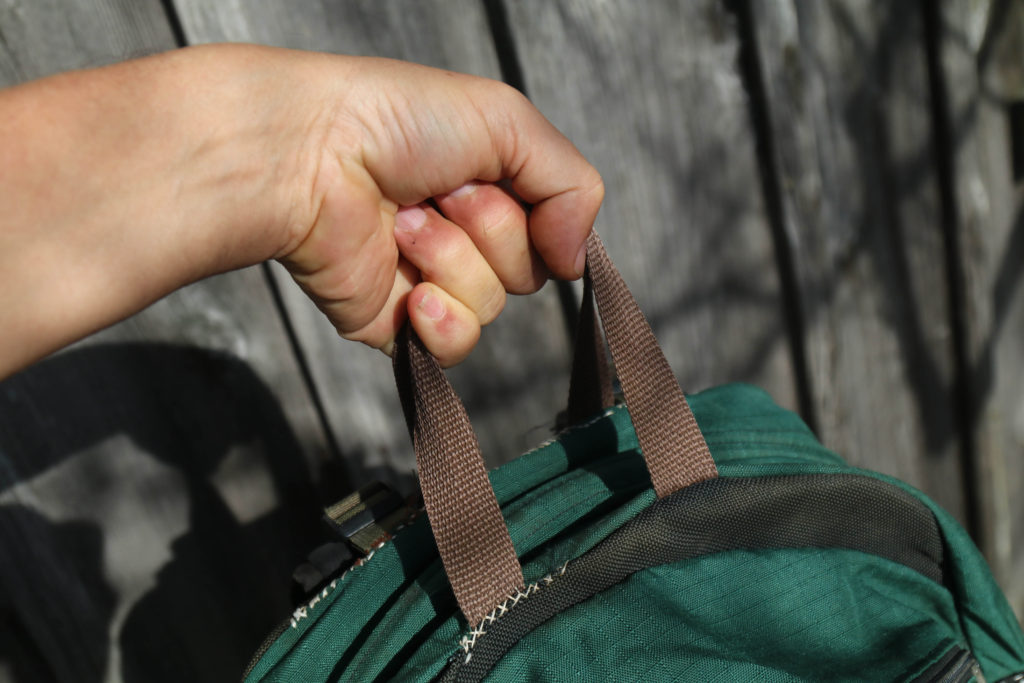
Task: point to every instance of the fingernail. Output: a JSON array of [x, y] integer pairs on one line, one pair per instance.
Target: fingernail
[[410, 218], [431, 307], [581, 260], [464, 191]]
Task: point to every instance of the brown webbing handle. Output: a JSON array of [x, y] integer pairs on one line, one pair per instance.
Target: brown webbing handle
[[472, 539], [590, 384], [670, 440]]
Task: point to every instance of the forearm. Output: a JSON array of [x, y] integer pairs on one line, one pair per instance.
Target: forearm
[[119, 185]]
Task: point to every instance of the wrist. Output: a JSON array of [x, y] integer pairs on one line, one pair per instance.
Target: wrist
[[124, 183], [244, 156]]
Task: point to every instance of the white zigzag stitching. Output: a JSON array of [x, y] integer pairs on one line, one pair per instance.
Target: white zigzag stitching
[[468, 641], [302, 611]]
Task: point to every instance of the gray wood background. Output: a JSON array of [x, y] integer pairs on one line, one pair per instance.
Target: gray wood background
[[822, 198]]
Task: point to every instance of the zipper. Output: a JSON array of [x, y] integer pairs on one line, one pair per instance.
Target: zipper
[[956, 666]]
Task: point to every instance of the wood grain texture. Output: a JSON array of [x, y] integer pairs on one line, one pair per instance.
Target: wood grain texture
[[655, 100], [849, 102], [40, 37], [990, 222], [158, 476], [517, 378]]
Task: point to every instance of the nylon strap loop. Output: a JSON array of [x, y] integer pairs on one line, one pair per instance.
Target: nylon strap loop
[[471, 535], [472, 539], [672, 445], [590, 384]]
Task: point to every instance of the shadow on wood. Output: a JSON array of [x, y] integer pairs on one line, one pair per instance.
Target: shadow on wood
[[1007, 285], [77, 596], [153, 502]]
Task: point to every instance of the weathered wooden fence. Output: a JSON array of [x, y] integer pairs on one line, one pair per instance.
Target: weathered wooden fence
[[822, 198]]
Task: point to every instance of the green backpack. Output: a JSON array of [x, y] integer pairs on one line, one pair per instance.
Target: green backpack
[[637, 547]]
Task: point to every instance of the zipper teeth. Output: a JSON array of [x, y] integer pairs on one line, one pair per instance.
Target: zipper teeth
[[960, 670], [964, 669]]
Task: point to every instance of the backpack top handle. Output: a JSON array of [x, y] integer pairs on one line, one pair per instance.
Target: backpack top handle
[[472, 539]]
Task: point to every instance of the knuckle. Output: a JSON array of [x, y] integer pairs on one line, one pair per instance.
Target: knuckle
[[504, 221], [433, 247], [593, 186], [527, 283], [492, 306], [523, 281], [439, 257], [504, 91], [352, 300], [345, 288]]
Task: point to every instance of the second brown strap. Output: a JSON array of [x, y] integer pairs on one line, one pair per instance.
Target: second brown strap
[[590, 383], [672, 444]]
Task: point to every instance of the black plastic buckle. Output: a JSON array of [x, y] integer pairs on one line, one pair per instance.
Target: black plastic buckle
[[362, 521]]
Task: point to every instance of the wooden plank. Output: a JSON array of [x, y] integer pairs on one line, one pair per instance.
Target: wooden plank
[[157, 480], [517, 379], [40, 37], [990, 223], [847, 90], [654, 98]]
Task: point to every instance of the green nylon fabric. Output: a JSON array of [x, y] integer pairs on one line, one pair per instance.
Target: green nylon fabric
[[709, 622], [394, 616]]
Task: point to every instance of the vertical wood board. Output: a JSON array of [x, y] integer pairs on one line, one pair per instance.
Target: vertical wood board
[[40, 37], [849, 103], [990, 223], [655, 100]]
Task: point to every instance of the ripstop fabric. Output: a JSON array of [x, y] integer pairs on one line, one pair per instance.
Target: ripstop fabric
[[733, 609]]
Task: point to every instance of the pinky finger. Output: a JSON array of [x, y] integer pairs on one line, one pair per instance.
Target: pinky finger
[[448, 328]]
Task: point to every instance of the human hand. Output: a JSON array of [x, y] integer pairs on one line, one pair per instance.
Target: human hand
[[393, 135], [123, 183]]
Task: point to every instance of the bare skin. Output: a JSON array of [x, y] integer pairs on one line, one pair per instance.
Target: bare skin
[[121, 184]]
